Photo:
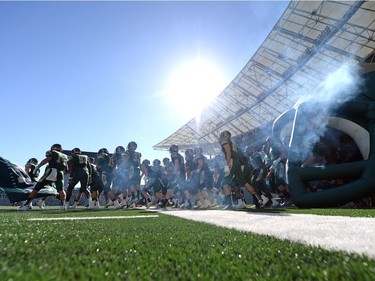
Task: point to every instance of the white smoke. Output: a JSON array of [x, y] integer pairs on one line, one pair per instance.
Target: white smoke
[[339, 87]]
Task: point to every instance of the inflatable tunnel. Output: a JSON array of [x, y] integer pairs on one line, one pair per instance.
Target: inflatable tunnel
[[17, 185], [351, 122]]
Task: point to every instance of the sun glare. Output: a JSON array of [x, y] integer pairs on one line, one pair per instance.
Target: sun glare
[[193, 86]]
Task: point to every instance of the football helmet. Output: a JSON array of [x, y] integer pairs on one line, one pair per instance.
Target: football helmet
[[57, 147], [198, 150], [91, 160], [33, 161], [189, 152], [166, 160], [132, 146], [225, 134], [146, 162], [103, 151], [156, 162], [173, 148], [120, 150], [76, 151]]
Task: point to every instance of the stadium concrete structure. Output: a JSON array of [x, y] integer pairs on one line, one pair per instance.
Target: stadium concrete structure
[[309, 41]]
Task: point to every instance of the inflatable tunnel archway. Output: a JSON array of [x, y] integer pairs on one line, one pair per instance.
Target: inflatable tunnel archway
[[355, 118], [17, 185]]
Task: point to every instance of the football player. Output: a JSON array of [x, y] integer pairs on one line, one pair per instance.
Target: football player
[[54, 173], [232, 169], [80, 170]]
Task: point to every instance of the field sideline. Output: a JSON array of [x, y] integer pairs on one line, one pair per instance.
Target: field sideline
[[173, 244], [354, 235]]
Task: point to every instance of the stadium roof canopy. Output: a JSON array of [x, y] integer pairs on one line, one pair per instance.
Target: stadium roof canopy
[[310, 40]]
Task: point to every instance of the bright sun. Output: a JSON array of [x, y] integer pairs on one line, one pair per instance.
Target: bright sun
[[194, 85]]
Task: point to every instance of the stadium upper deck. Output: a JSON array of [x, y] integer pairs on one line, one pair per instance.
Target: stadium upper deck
[[310, 40]]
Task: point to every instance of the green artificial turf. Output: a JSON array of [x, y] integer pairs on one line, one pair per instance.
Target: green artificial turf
[[158, 248]]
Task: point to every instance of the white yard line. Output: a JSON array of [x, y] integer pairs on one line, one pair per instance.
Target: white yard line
[[353, 235], [92, 218]]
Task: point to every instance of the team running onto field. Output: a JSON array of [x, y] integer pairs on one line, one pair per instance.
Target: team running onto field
[[189, 181]]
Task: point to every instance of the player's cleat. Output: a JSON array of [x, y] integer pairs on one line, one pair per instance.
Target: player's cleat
[[258, 204], [109, 205], [63, 207], [198, 205], [97, 205], [116, 205], [41, 204], [207, 204], [131, 206], [124, 205], [265, 201], [270, 204], [163, 204], [74, 205], [93, 205], [228, 207], [25, 208], [189, 206], [240, 205], [286, 202], [171, 203], [140, 202]]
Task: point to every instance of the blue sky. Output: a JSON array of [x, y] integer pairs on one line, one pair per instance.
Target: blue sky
[[102, 74]]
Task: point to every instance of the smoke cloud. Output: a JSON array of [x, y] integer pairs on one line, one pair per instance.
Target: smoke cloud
[[314, 108]]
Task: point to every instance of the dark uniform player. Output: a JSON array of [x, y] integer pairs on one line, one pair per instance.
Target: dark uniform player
[[218, 176], [166, 162], [190, 186], [168, 168], [156, 181], [258, 173], [34, 174], [54, 173], [276, 172], [120, 177], [205, 177], [80, 170], [30, 169], [133, 161], [186, 191], [96, 185], [146, 171], [189, 155], [105, 169], [178, 175], [232, 169]]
